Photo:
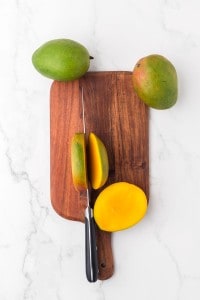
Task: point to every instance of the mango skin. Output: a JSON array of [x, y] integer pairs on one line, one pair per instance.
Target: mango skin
[[61, 59], [155, 81]]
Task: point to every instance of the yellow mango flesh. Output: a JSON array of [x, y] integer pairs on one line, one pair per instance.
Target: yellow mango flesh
[[97, 161], [79, 162], [119, 206]]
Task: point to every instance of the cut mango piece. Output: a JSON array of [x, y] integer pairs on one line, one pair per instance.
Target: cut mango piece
[[120, 206], [97, 162], [79, 162]]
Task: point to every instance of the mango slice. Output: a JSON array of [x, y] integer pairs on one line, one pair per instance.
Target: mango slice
[[120, 206], [79, 162], [97, 162]]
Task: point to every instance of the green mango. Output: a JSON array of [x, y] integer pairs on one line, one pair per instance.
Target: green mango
[[155, 81], [61, 59]]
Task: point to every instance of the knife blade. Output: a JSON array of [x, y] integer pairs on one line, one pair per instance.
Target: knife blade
[[91, 261]]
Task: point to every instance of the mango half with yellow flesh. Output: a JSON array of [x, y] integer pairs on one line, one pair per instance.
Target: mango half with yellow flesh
[[119, 206], [79, 162], [94, 156], [97, 162], [155, 81]]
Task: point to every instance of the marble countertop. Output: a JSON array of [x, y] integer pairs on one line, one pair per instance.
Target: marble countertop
[[41, 254]]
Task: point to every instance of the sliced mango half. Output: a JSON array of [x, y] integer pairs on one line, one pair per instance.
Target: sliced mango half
[[79, 161], [94, 156], [98, 165], [120, 206]]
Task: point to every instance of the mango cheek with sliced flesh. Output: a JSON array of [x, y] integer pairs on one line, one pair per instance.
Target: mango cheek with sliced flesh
[[119, 206], [78, 161], [96, 158]]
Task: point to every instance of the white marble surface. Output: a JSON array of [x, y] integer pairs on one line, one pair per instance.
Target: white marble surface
[[41, 254]]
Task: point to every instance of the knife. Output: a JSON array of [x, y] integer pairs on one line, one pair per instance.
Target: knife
[[91, 261]]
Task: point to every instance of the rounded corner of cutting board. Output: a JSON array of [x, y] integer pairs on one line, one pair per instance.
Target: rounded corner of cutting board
[[57, 210], [54, 83], [64, 214]]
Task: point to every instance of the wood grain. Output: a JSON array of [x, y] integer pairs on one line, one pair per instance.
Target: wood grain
[[120, 119]]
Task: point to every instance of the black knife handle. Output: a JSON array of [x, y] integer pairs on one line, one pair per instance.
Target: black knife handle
[[91, 261]]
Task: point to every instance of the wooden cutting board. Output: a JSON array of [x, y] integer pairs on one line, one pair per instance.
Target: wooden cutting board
[[115, 114]]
